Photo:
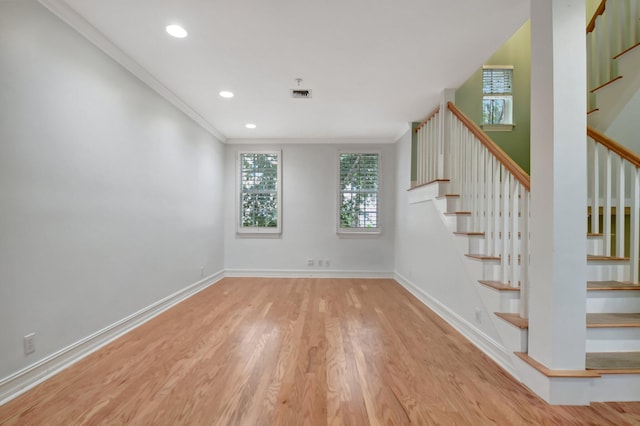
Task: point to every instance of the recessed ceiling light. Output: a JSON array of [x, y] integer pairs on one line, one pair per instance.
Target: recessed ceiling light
[[250, 126], [226, 94], [177, 31]]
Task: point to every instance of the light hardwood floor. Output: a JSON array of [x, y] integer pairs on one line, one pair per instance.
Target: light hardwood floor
[[295, 352]]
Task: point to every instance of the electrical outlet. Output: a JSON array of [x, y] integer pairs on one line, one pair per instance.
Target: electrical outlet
[[202, 272], [320, 262], [310, 262], [327, 262], [478, 315], [29, 343]]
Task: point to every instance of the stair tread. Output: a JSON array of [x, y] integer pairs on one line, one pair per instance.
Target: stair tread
[[470, 234], [555, 373], [608, 320], [497, 285], [611, 320], [614, 362], [514, 319], [481, 256], [626, 51], [427, 183], [458, 213], [440, 197], [613, 80], [606, 258], [611, 285], [595, 234]]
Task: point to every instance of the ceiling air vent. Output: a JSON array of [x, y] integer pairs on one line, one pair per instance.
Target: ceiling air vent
[[301, 94]]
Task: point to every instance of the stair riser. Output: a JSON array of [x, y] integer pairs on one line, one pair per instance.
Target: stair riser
[[447, 204], [595, 246], [514, 339], [616, 387], [613, 339], [616, 301], [483, 270], [604, 271], [475, 244], [499, 301], [463, 223]]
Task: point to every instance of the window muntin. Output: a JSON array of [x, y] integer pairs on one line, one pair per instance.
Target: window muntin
[[497, 95], [259, 192], [359, 198]]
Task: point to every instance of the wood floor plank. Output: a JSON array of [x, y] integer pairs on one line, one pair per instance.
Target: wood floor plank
[[295, 352]]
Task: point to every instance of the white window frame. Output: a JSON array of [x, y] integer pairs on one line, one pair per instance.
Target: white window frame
[[359, 231], [508, 124], [246, 230]]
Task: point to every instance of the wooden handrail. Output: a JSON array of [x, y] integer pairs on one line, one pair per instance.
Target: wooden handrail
[[517, 172], [429, 117], [614, 146], [599, 11]]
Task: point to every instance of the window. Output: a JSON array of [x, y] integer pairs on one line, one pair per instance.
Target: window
[[497, 97], [259, 192], [359, 202]]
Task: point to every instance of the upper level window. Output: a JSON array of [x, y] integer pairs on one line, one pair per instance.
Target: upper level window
[[359, 201], [259, 192], [497, 97]]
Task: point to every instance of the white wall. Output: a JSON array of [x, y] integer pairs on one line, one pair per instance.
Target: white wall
[[426, 255], [626, 127], [309, 197], [110, 198]]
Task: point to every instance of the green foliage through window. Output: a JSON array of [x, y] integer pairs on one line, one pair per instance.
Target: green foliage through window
[[359, 191], [493, 109], [259, 190]]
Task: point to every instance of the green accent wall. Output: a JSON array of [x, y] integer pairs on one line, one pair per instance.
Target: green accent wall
[[591, 7], [517, 52]]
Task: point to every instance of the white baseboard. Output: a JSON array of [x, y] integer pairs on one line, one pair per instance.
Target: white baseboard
[[25, 379], [306, 273], [486, 344]]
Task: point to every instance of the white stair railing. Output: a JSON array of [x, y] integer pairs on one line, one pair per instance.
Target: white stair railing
[[491, 187], [430, 149], [614, 187], [614, 28], [495, 190]]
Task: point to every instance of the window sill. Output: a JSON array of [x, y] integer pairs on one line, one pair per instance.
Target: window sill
[[258, 233], [498, 127], [362, 233]]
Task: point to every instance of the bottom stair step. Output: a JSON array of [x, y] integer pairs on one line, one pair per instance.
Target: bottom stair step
[[614, 362]]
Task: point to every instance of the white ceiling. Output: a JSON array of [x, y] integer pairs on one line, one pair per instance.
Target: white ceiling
[[373, 65]]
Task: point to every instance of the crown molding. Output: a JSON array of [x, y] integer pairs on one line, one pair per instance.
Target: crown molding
[[72, 18]]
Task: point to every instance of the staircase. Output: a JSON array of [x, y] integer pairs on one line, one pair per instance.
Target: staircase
[[483, 200], [484, 204], [613, 60]]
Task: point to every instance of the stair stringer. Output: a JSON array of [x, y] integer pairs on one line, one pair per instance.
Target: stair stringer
[[513, 339], [510, 339]]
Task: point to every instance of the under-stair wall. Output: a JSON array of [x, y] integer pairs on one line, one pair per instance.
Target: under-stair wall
[[430, 263]]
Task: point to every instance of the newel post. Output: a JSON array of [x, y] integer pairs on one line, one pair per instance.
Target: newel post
[[444, 133]]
